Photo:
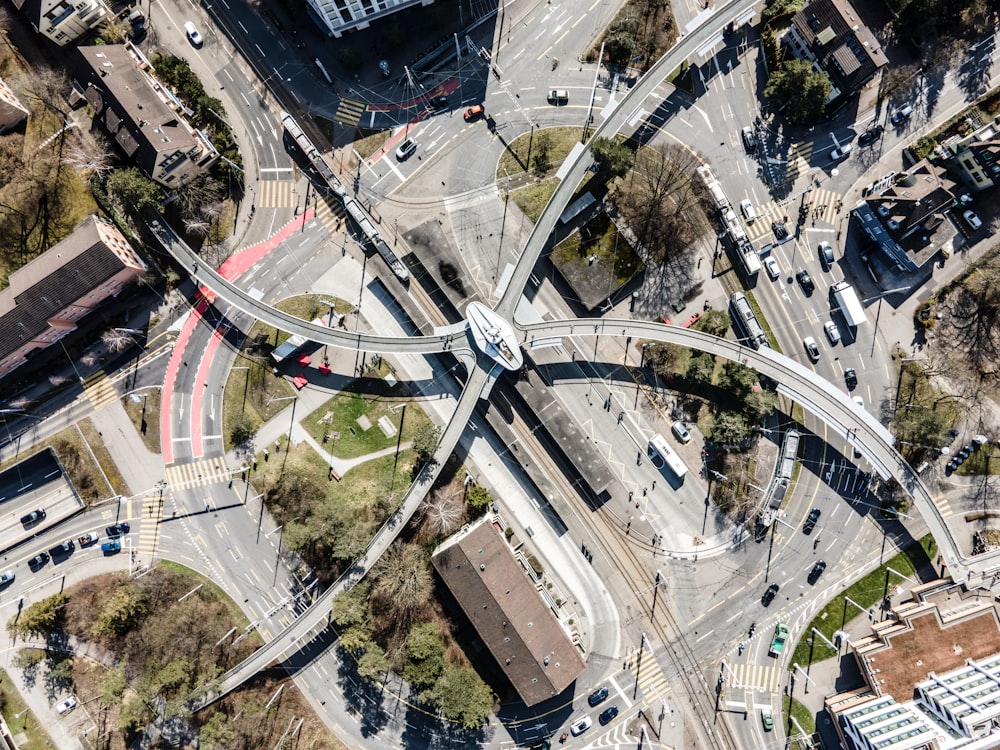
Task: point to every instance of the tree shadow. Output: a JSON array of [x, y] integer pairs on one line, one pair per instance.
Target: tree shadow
[[974, 69], [363, 698]]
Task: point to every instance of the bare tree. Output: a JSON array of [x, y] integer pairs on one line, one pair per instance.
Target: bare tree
[[117, 340], [402, 580], [197, 226], [200, 192], [973, 313], [88, 152], [115, 30], [444, 511]]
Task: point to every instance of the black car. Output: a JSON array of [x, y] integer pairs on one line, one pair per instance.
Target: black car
[[119, 529], [438, 103], [772, 591], [851, 378], [34, 517], [38, 560], [811, 521], [598, 696], [816, 572], [870, 136], [607, 715], [805, 281], [63, 550]]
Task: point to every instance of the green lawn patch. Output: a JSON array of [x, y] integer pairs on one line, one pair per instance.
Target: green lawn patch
[[802, 715], [339, 417], [867, 591], [145, 415], [762, 319], [978, 463], [19, 719], [682, 77], [103, 456], [515, 158], [533, 198], [596, 260]]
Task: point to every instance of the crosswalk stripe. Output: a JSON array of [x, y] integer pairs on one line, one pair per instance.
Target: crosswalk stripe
[[759, 676], [330, 214], [198, 474], [276, 194], [652, 681], [349, 112], [99, 389]]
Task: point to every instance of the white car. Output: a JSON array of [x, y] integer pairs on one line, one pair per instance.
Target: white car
[[406, 149], [747, 208], [581, 726], [681, 431], [772, 267], [192, 34], [842, 152], [832, 332], [67, 705], [972, 220], [812, 348]]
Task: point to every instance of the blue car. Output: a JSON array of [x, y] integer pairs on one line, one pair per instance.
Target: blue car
[[111, 548], [607, 715]]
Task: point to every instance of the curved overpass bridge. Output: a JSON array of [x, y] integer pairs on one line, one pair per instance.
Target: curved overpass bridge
[[803, 385]]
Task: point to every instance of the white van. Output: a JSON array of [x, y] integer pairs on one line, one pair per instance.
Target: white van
[[192, 34], [559, 96]]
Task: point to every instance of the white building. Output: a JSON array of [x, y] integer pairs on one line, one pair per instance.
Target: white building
[[338, 16], [63, 21]]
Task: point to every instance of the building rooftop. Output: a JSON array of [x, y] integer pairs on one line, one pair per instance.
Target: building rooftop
[[841, 41], [509, 614]]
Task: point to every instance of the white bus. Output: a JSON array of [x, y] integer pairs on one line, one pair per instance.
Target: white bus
[[660, 452]]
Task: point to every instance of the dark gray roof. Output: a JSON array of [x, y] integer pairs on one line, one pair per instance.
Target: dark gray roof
[[841, 42]]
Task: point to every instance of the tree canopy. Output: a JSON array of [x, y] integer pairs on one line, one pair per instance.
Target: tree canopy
[[462, 696], [799, 90]]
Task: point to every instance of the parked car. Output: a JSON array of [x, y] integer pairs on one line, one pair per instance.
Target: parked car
[[438, 103], [406, 149], [850, 378], [749, 139], [826, 254], [832, 332], [474, 112], [842, 152], [111, 548], [746, 207], [29, 519], [772, 267], [772, 591], [811, 520], [38, 560], [66, 705], [87, 539], [7, 578], [681, 431], [193, 34], [870, 136], [767, 719], [805, 281], [581, 726], [598, 696], [608, 715], [119, 529], [972, 220], [816, 572], [812, 348], [65, 549], [901, 115]]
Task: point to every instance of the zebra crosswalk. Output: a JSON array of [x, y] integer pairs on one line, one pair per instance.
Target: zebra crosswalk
[[798, 160], [349, 112], [822, 205], [99, 389], [276, 194], [330, 214], [765, 677], [198, 474], [652, 681]]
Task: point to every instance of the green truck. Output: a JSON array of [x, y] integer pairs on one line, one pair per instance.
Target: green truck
[[778, 641]]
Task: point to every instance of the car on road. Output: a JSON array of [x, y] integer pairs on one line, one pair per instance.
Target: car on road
[[87, 539], [193, 35], [749, 139], [826, 255], [66, 705], [681, 431], [119, 529], [29, 519], [816, 572], [767, 719], [406, 149], [811, 520], [63, 550], [438, 103], [581, 726], [38, 560], [608, 715], [842, 152], [901, 115], [851, 378], [746, 207], [111, 548], [558, 96], [832, 332], [805, 281], [772, 267], [768, 597], [7, 578], [598, 696], [972, 220], [474, 112], [812, 348], [779, 229], [870, 136]]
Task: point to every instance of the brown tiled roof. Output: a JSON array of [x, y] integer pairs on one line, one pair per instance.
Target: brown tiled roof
[[507, 612], [44, 287], [914, 199]]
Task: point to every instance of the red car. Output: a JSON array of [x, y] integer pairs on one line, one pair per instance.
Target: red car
[[474, 112]]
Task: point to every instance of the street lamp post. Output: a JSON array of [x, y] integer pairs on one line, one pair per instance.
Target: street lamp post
[[642, 361], [878, 312]]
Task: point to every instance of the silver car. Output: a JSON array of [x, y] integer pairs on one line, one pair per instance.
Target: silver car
[[832, 332]]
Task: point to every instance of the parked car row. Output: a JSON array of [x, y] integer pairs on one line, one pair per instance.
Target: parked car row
[[68, 547]]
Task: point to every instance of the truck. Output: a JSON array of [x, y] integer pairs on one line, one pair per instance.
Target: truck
[[778, 641], [291, 346], [848, 303]]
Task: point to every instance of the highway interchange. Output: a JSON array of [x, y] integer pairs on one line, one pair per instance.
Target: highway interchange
[[687, 659]]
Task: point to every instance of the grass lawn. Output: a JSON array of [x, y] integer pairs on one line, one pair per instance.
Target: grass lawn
[[533, 198], [800, 713], [340, 415], [978, 462], [79, 466], [197, 579], [514, 159], [369, 144], [762, 319], [865, 592], [145, 415], [613, 255], [107, 463], [20, 719]]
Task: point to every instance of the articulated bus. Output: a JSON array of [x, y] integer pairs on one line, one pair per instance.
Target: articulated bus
[[660, 452]]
